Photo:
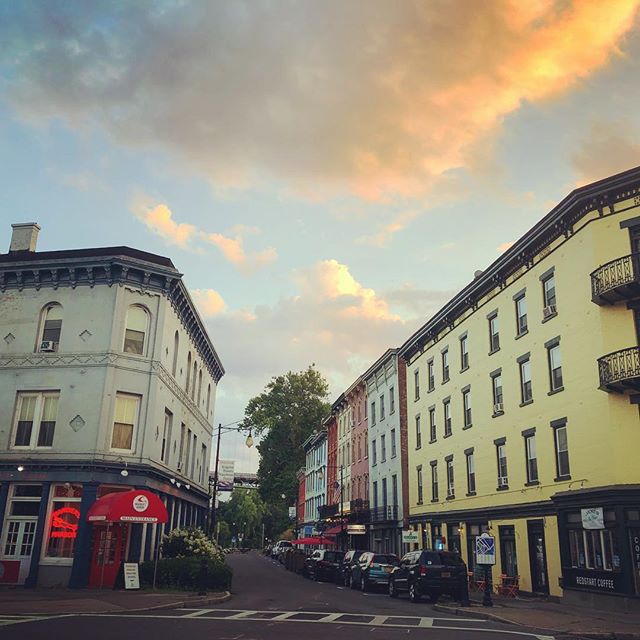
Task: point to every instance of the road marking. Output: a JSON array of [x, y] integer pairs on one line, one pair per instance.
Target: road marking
[[6, 620]]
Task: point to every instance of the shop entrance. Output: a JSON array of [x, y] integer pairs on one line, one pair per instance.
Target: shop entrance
[[634, 539], [107, 552], [509, 562], [538, 557], [17, 548]]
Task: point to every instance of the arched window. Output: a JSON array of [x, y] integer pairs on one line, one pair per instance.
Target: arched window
[[199, 386], [193, 384], [51, 327], [176, 344], [136, 330], [208, 398], [186, 386]]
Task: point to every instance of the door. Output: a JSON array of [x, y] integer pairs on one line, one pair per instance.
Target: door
[[634, 539], [538, 557], [509, 563], [17, 548], [107, 553]]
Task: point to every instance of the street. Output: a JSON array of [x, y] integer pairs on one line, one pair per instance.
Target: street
[[269, 602]]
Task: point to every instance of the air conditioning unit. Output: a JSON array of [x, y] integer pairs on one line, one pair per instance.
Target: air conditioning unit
[[47, 346], [180, 466], [503, 482], [549, 310], [498, 407]]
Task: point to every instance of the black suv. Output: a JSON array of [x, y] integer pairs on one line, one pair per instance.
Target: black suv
[[429, 573], [349, 562], [323, 565]]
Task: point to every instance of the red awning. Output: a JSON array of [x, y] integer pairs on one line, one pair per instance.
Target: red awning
[[128, 506], [333, 531], [313, 541]]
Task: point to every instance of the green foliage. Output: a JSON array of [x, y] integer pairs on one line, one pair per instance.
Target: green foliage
[[188, 573], [190, 543], [243, 514], [284, 415]]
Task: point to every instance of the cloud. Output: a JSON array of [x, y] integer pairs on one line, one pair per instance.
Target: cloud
[[376, 98], [159, 219], [385, 233], [208, 301], [608, 148]]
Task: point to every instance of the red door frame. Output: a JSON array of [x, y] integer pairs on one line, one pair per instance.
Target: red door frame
[[107, 553]]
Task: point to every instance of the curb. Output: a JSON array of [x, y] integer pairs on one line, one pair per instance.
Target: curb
[[469, 613]]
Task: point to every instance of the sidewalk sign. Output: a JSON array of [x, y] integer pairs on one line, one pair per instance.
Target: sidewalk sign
[[485, 549], [131, 576], [409, 537]]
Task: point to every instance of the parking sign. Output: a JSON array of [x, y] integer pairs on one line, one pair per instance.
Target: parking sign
[[485, 549]]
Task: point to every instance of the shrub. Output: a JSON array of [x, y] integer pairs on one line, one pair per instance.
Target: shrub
[[189, 543], [188, 574]]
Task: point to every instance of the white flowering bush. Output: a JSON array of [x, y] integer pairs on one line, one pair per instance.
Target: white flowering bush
[[190, 543]]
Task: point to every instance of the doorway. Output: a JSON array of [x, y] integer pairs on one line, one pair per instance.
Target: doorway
[[634, 539], [107, 553], [509, 562], [538, 557], [17, 545]]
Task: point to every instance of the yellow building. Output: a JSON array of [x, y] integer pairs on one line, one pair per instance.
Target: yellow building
[[521, 395]]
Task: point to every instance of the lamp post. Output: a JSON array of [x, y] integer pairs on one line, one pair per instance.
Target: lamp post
[[321, 476], [213, 485]]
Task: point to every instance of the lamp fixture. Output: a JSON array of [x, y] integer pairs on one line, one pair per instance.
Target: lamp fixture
[[124, 473], [172, 481], [20, 467], [187, 487], [249, 440], [178, 484]]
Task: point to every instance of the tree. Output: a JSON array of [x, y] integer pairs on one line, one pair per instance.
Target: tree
[[284, 415], [244, 515]]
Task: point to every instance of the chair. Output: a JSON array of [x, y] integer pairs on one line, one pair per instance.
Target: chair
[[508, 586]]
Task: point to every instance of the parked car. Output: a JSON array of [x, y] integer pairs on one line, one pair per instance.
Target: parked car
[[323, 564], [372, 569], [351, 558], [279, 547], [429, 573]]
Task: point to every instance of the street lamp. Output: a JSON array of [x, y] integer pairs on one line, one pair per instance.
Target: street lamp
[[321, 477], [213, 484]]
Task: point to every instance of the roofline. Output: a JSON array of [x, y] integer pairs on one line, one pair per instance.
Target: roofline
[[392, 351]]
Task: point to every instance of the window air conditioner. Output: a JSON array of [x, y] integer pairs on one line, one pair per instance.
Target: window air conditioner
[[47, 345], [498, 407], [180, 466], [503, 482], [549, 310]]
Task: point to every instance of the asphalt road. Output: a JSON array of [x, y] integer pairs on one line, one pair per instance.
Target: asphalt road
[[271, 603]]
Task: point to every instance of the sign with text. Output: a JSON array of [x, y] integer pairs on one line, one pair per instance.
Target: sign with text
[[356, 529], [485, 549], [410, 537], [592, 518], [292, 513], [131, 576], [226, 474]]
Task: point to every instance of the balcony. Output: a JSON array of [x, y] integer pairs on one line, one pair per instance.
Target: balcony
[[616, 280], [328, 511], [359, 512], [384, 514], [620, 370]]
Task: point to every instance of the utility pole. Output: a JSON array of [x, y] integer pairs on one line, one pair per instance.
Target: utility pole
[[212, 519]]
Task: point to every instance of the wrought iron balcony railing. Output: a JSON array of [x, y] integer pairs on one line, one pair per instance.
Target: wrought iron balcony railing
[[616, 280], [384, 514], [620, 370], [328, 511]]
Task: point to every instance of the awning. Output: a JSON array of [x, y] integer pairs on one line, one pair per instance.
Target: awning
[[313, 541], [128, 506], [333, 531]]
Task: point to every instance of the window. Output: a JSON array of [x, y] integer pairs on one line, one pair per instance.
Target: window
[[521, 315], [432, 424], [381, 407], [186, 386], [124, 421], [199, 386], [393, 443], [63, 520], [384, 494], [525, 379], [445, 366], [383, 448], [555, 365], [176, 345], [471, 472], [394, 490], [416, 384], [496, 385], [21, 520], [193, 382], [418, 433], [464, 353], [532, 458], [447, 417], [466, 406], [375, 494], [208, 397], [366, 446], [166, 436], [392, 401], [562, 451], [549, 295], [136, 330], [51, 327], [434, 482], [503, 477], [451, 490], [594, 549], [374, 453], [183, 433], [431, 376], [39, 410], [373, 413], [419, 479], [494, 333]]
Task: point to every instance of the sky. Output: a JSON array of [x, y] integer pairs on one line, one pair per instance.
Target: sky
[[325, 175]]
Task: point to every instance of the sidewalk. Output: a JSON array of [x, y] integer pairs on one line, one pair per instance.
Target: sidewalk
[[561, 620], [17, 601]]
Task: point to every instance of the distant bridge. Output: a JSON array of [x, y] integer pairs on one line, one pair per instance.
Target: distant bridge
[[246, 481]]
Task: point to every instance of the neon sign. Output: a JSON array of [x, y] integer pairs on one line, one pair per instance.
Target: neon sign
[[61, 528]]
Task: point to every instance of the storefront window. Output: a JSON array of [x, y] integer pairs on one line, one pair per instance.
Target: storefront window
[[64, 518], [594, 549]]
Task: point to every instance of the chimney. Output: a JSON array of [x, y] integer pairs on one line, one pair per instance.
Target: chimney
[[24, 237]]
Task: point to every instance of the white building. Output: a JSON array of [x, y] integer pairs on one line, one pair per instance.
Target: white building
[[315, 488], [107, 382], [388, 452]]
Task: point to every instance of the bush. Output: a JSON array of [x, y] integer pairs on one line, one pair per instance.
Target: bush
[[189, 543], [189, 574]]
